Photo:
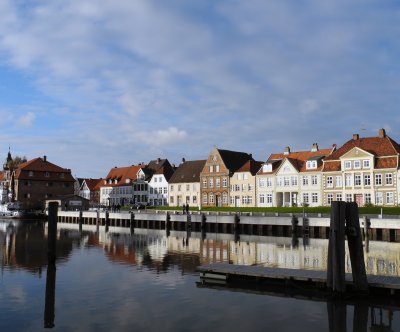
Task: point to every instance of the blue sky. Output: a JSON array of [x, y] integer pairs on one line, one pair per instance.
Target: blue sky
[[96, 84]]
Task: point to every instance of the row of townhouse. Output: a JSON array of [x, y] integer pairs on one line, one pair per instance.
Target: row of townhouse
[[364, 170]]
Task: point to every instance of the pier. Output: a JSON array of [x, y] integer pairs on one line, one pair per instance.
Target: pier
[[378, 228]]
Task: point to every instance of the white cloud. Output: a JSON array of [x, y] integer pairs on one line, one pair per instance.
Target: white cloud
[[162, 136], [26, 120]]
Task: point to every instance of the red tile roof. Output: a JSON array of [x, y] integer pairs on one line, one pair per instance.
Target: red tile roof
[[121, 174], [251, 166], [93, 184]]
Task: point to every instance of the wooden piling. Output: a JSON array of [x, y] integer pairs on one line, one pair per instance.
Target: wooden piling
[[354, 242], [336, 248], [52, 231]]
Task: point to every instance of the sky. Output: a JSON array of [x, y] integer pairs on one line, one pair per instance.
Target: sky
[[94, 84]]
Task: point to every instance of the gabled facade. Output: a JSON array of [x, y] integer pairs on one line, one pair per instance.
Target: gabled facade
[[363, 170], [37, 180], [161, 171], [118, 186], [216, 174], [184, 185], [90, 189], [291, 178], [243, 185]]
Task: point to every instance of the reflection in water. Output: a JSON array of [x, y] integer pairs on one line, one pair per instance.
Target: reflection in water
[[50, 295]]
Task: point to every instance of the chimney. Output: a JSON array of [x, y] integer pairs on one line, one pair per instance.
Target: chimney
[[158, 160], [314, 147], [183, 160], [382, 133], [250, 156], [333, 148], [287, 150], [355, 137], [44, 158]]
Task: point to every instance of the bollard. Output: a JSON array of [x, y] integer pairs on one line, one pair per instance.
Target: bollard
[[52, 231], [132, 223]]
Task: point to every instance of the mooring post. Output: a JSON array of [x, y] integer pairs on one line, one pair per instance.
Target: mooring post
[[336, 248], [52, 231], [107, 214], [132, 222], [80, 220], [354, 242]]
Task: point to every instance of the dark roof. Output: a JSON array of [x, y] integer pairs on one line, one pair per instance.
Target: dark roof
[[233, 160], [188, 171], [158, 166], [251, 166]]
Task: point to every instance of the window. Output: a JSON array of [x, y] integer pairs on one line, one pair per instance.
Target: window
[[329, 181], [314, 180], [286, 181], [214, 158], [357, 164], [204, 198], [188, 187], [261, 198], [194, 199], [338, 181], [279, 181], [211, 168], [244, 187], [347, 165], [357, 180], [151, 190], [389, 178], [245, 176], [232, 199], [224, 198], [237, 187], [261, 183], [211, 183], [211, 198], [314, 197], [305, 180], [217, 168], [250, 200], [250, 187], [155, 179], [378, 179], [179, 187], [294, 180], [47, 174], [329, 198], [165, 190], [378, 198], [348, 180], [365, 163], [305, 198], [367, 180], [269, 182], [311, 164], [349, 198], [389, 198], [239, 176], [204, 183], [269, 198], [367, 198], [224, 182], [217, 183], [339, 197]]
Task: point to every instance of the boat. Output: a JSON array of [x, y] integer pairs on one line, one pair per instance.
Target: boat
[[14, 210]]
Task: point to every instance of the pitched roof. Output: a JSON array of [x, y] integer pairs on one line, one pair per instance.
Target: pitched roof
[[251, 166], [188, 171], [93, 184], [123, 176], [233, 160], [384, 148], [299, 159], [42, 165], [159, 166]]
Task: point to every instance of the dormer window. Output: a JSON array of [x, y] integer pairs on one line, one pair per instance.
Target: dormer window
[[267, 168], [311, 164], [115, 181], [109, 181], [30, 173]]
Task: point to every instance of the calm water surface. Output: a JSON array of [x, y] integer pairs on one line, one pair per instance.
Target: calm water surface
[[147, 282]]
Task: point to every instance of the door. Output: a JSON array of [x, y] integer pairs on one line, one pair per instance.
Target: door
[[358, 198]]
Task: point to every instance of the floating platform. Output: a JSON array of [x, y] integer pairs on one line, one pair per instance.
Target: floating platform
[[227, 272]]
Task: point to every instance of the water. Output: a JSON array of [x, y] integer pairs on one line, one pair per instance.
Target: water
[[148, 282]]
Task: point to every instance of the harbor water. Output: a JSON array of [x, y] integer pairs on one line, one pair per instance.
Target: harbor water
[[147, 281]]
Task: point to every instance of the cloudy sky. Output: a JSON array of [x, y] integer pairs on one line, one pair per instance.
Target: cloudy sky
[[95, 84]]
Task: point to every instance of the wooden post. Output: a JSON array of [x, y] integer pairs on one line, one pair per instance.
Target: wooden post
[[107, 220], [52, 231], [80, 220], [97, 220], [50, 295], [354, 242], [168, 222], [336, 248], [132, 222]]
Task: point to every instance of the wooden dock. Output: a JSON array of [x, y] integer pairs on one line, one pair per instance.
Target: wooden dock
[[227, 272]]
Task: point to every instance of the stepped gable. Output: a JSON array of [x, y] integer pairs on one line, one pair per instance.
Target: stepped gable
[[384, 148], [188, 171], [234, 160], [41, 165], [251, 166], [120, 176]]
